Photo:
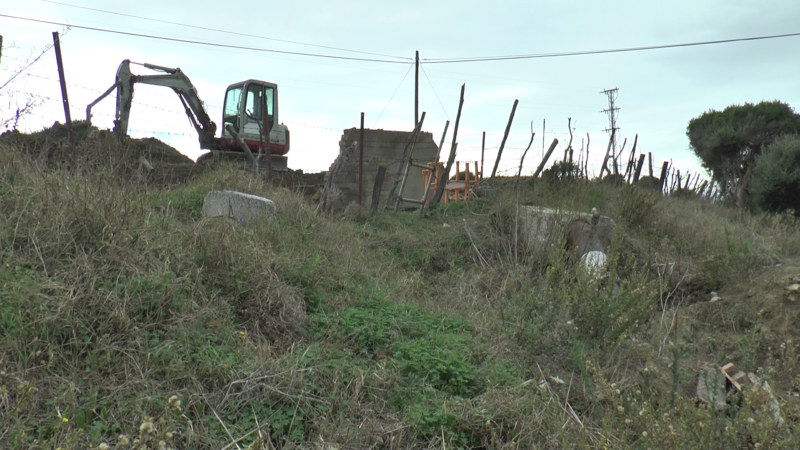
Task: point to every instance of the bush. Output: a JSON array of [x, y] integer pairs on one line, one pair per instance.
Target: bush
[[562, 170], [775, 186]]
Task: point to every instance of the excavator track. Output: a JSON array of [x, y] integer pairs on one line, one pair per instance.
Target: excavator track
[[279, 163]]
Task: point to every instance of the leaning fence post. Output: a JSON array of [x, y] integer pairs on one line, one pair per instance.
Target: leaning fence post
[[663, 178], [64, 97], [638, 171], [505, 136], [454, 144], [546, 157]]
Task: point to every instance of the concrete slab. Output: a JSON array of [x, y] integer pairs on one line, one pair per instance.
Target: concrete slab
[[241, 207], [711, 387]]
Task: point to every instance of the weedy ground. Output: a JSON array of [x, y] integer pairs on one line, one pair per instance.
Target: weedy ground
[[128, 320]]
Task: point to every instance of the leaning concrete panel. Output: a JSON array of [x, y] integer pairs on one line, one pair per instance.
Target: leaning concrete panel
[[241, 207], [381, 148]]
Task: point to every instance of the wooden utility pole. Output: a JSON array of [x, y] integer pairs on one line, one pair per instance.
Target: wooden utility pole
[[505, 136], [650, 157], [64, 97], [1, 53], [416, 90]]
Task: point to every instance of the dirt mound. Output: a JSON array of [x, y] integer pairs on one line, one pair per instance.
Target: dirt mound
[[148, 159], [754, 322]]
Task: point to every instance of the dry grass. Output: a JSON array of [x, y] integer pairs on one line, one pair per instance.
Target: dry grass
[[393, 331]]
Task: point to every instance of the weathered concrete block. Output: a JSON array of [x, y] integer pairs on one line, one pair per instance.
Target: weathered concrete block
[[584, 232], [241, 207], [711, 387]]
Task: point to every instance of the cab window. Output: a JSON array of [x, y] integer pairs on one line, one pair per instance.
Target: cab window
[[233, 102], [256, 94]]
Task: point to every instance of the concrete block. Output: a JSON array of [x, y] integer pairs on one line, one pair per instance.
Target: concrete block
[[542, 225], [711, 388], [241, 207]]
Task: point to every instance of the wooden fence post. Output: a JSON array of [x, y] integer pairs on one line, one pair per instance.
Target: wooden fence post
[[64, 97], [483, 151], [638, 168], [603, 168], [586, 160], [361, 162], [663, 178], [446, 175], [505, 136], [376, 188], [546, 157]]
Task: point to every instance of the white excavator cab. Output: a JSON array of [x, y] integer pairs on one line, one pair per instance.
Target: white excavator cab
[[244, 104]]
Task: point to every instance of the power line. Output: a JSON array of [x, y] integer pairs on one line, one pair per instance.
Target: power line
[[221, 31], [598, 52], [209, 44], [393, 94], [434, 93]]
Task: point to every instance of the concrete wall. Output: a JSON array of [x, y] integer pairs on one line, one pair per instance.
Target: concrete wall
[[381, 148]]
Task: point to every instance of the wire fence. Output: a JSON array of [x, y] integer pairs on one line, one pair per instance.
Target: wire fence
[[469, 149]]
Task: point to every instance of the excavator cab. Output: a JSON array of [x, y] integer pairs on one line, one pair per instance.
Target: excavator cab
[[244, 105]]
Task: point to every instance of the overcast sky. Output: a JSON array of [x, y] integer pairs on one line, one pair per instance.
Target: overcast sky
[[659, 90]]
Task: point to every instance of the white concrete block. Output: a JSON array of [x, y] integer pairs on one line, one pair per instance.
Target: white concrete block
[[241, 207]]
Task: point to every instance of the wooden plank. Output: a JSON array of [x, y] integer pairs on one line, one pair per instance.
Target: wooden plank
[[376, 189]]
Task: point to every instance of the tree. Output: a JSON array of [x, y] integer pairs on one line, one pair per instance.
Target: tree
[[776, 176], [729, 141]]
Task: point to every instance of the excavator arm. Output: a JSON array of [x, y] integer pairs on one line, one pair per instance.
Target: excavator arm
[[174, 79]]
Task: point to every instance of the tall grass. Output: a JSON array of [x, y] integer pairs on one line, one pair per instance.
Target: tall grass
[[128, 318]]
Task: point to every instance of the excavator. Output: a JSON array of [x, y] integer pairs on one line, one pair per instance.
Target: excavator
[[243, 111]]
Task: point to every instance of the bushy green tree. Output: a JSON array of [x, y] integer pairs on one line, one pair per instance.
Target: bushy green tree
[[775, 186], [728, 141]]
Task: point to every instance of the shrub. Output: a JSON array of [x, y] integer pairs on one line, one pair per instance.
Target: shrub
[[775, 186]]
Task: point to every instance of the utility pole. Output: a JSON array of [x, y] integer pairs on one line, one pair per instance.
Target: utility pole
[[416, 90], [612, 122], [1, 53]]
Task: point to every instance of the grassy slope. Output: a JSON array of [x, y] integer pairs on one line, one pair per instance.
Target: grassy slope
[[391, 332]]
